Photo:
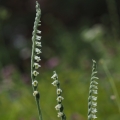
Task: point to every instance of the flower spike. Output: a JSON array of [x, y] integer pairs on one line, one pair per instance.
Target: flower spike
[[35, 58], [92, 92], [59, 99]]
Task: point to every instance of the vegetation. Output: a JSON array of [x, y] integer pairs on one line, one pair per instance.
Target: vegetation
[[73, 33]]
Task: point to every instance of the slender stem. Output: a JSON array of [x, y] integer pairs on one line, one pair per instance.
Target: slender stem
[[34, 72], [39, 110], [112, 83]]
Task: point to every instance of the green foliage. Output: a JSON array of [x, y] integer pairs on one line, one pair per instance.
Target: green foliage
[[18, 98], [74, 32]]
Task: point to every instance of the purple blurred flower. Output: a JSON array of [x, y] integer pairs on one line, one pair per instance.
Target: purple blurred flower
[[52, 62]]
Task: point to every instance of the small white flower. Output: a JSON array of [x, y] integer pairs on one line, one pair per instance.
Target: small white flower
[[38, 31], [94, 104], [38, 51], [35, 83], [94, 116], [94, 82], [57, 107], [94, 98], [55, 82], [38, 44], [59, 91], [60, 98], [39, 24], [60, 114], [38, 37], [93, 86], [94, 73], [37, 58], [93, 61], [95, 92], [36, 65], [35, 93], [94, 110], [35, 73], [55, 76], [94, 78]]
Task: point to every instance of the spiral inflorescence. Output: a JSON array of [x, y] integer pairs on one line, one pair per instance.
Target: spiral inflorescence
[[35, 58], [92, 94], [59, 107]]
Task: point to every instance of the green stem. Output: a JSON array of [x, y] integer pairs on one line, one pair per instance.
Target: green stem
[[112, 83], [39, 110], [36, 24]]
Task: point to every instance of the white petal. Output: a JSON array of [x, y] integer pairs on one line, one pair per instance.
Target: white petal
[[36, 65], [94, 98], [35, 73], [38, 37], [60, 98], [55, 82], [37, 58], [38, 31], [59, 91], [95, 92], [60, 114], [57, 107], [54, 76], [35, 93], [38, 44], [35, 83]]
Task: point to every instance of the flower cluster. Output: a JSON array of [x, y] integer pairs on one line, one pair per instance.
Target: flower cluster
[[59, 106], [35, 59], [92, 92]]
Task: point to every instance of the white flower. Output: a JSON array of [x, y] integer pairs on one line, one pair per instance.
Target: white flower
[[94, 98], [39, 24], [35, 83], [94, 73], [37, 58], [35, 73], [55, 76], [94, 78], [94, 104], [38, 44], [38, 51], [57, 107], [36, 65], [59, 91], [60, 98], [94, 116], [38, 31], [94, 110], [55, 82], [35, 93], [60, 114], [38, 37], [95, 92], [93, 86], [94, 82]]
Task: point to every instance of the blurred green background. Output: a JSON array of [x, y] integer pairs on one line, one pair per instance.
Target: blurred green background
[[73, 33]]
